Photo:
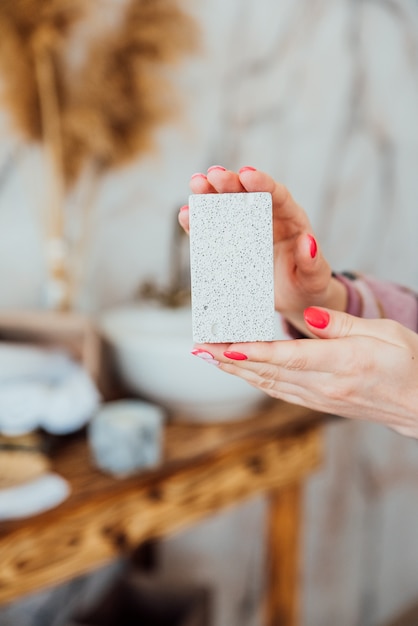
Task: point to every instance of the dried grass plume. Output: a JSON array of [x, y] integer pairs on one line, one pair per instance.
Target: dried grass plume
[[106, 111]]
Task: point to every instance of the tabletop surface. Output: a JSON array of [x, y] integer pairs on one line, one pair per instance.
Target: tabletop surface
[[185, 444]]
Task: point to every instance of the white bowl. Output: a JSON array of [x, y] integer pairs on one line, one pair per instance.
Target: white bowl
[[151, 348]]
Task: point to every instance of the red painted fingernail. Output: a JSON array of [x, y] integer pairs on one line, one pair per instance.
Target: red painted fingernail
[[206, 356], [247, 168], [198, 174], [185, 207], [217, 167], [316, 317], [235, 356], [313, 246]]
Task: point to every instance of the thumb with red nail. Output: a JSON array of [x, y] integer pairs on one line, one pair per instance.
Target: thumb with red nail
[[365, 369]]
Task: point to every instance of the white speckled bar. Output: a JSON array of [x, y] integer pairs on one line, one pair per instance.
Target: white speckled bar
[[231, 261]]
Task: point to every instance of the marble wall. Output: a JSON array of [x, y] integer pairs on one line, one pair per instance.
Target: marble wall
[[322, 94]]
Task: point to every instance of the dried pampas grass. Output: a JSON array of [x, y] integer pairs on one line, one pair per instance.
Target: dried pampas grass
[[25, 27], [123, 92], [105, 112], [92, 115]]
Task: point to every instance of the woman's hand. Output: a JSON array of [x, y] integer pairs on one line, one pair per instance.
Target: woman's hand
[[302, 275], [357, 368]]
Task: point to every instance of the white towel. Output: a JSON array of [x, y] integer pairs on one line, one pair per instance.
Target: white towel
[[46, 389]]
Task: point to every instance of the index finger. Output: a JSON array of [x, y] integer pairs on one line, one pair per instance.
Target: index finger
[[284, 205]]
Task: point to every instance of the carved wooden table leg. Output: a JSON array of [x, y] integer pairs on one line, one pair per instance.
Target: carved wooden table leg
[[283, 584]]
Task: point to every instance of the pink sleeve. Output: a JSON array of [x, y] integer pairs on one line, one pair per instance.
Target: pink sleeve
[[371, 298]]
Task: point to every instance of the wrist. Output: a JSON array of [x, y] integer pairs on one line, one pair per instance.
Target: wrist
[[354, 304], [336, 297]]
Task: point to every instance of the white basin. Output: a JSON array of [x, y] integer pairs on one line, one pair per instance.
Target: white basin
[[151, 348]]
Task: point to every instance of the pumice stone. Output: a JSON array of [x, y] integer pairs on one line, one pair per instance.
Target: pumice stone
[[231, 263]]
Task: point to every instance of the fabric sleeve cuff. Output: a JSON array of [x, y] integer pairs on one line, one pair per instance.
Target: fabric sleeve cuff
[[354, 301]]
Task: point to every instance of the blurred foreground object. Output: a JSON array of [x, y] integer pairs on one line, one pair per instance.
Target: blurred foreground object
[[126, 436], [89, 82]]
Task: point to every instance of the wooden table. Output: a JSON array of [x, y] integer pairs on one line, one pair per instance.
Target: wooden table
[[205, 469]]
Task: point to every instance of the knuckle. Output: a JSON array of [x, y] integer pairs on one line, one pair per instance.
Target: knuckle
[[341, 393], [346, 325], [338, 392], [392, 329], [297, 360], [267, 384], [267, 378], [297, 364]]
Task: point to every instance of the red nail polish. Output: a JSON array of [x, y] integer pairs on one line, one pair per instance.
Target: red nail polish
[[185, 207], [247, 168], [235, 356], [217, 167], [198, 174], [313, 246], [316, 317]]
